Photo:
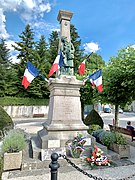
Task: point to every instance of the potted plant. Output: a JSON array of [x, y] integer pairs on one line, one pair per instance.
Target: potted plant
[[97, 133], [106, 138], [120, 145], [13, 145]]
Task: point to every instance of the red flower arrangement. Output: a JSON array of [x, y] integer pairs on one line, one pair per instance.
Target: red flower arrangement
[[98, 158]]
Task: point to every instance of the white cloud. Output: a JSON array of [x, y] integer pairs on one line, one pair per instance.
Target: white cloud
[[13, 53], [14, 59], [133, 46], [91, 47], [9, 44], [30, 11], [29, 3], [3, 32]]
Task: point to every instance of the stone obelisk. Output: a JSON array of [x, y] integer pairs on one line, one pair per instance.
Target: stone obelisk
[[64, 116]]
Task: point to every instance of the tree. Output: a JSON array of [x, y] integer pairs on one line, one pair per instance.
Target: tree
[[4, 66], [38, 87], [26, 53], [88, 94], [53, 46], [75, 39], [119, 79]]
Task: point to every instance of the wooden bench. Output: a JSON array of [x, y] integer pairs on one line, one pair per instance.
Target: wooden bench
[[38, 115], [122, 130]]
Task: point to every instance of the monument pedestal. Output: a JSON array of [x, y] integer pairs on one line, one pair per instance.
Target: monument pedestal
[[64, 117]]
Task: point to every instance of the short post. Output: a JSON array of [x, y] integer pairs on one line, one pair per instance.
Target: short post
[[54, 165], [113, 121]]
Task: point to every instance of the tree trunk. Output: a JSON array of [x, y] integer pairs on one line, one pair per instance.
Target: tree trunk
[[116, 115]]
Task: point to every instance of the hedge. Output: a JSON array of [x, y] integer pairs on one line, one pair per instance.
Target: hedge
[[10, 101]]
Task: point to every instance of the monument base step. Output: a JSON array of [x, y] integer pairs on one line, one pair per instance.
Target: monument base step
[[33, 160]]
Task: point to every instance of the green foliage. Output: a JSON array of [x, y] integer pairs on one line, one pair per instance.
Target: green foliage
[[25, 48], [94, 118], [88, 94], [93, 127], [53, 46], [6, 101], [5, 119], [120, 139], [1, 165], [14, 141], [119, 79], [4, 66], [106, 138], [78, 54], [97, 132]]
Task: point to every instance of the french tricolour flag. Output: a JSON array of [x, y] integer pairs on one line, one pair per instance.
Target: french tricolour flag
[[81, 68], [58, 63], [30, 73], [96, 79]]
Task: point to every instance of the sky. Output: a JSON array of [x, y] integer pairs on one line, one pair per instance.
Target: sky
[[104, 26]]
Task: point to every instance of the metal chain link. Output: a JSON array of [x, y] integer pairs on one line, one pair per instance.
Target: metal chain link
[[87, 174], [79, 169]]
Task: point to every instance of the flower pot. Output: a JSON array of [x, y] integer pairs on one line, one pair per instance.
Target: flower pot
[[12, 161], [122, 150]]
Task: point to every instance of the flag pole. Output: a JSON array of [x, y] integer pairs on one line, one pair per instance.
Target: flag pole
[[89, 56]]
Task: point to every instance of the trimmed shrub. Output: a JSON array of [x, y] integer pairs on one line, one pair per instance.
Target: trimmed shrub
[[93, 118], [5, 119], [93, 127], [6, 101]]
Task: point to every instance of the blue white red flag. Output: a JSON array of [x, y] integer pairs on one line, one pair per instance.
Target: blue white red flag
[[58, 63], [95, 79], [82, 140], [81, 68], [80, 147], [30, 73]]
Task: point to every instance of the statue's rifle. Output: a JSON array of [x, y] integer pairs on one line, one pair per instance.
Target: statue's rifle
[[43, 77]]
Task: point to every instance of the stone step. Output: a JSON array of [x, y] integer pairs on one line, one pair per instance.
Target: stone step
[[30, 163], [113, 155], [35, 148]]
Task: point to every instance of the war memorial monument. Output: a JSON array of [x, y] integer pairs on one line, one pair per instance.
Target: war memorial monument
[[64, 116]]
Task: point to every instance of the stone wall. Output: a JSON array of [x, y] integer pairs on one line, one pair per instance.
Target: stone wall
[[26, 111]]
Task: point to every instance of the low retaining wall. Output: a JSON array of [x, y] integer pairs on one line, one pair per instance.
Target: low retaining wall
[[26, 111]]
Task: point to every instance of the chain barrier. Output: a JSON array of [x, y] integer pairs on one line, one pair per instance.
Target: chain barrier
[[90, 175]]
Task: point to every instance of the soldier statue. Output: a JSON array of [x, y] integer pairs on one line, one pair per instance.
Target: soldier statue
[[67, 50]]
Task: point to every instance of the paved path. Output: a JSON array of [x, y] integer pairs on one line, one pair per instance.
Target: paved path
[[68, 172]]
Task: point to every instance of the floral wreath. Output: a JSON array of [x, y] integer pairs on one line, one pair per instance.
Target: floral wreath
[[98, 158]]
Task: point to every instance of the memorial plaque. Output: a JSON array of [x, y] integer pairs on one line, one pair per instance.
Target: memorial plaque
[[46, 153], [53, 143]]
